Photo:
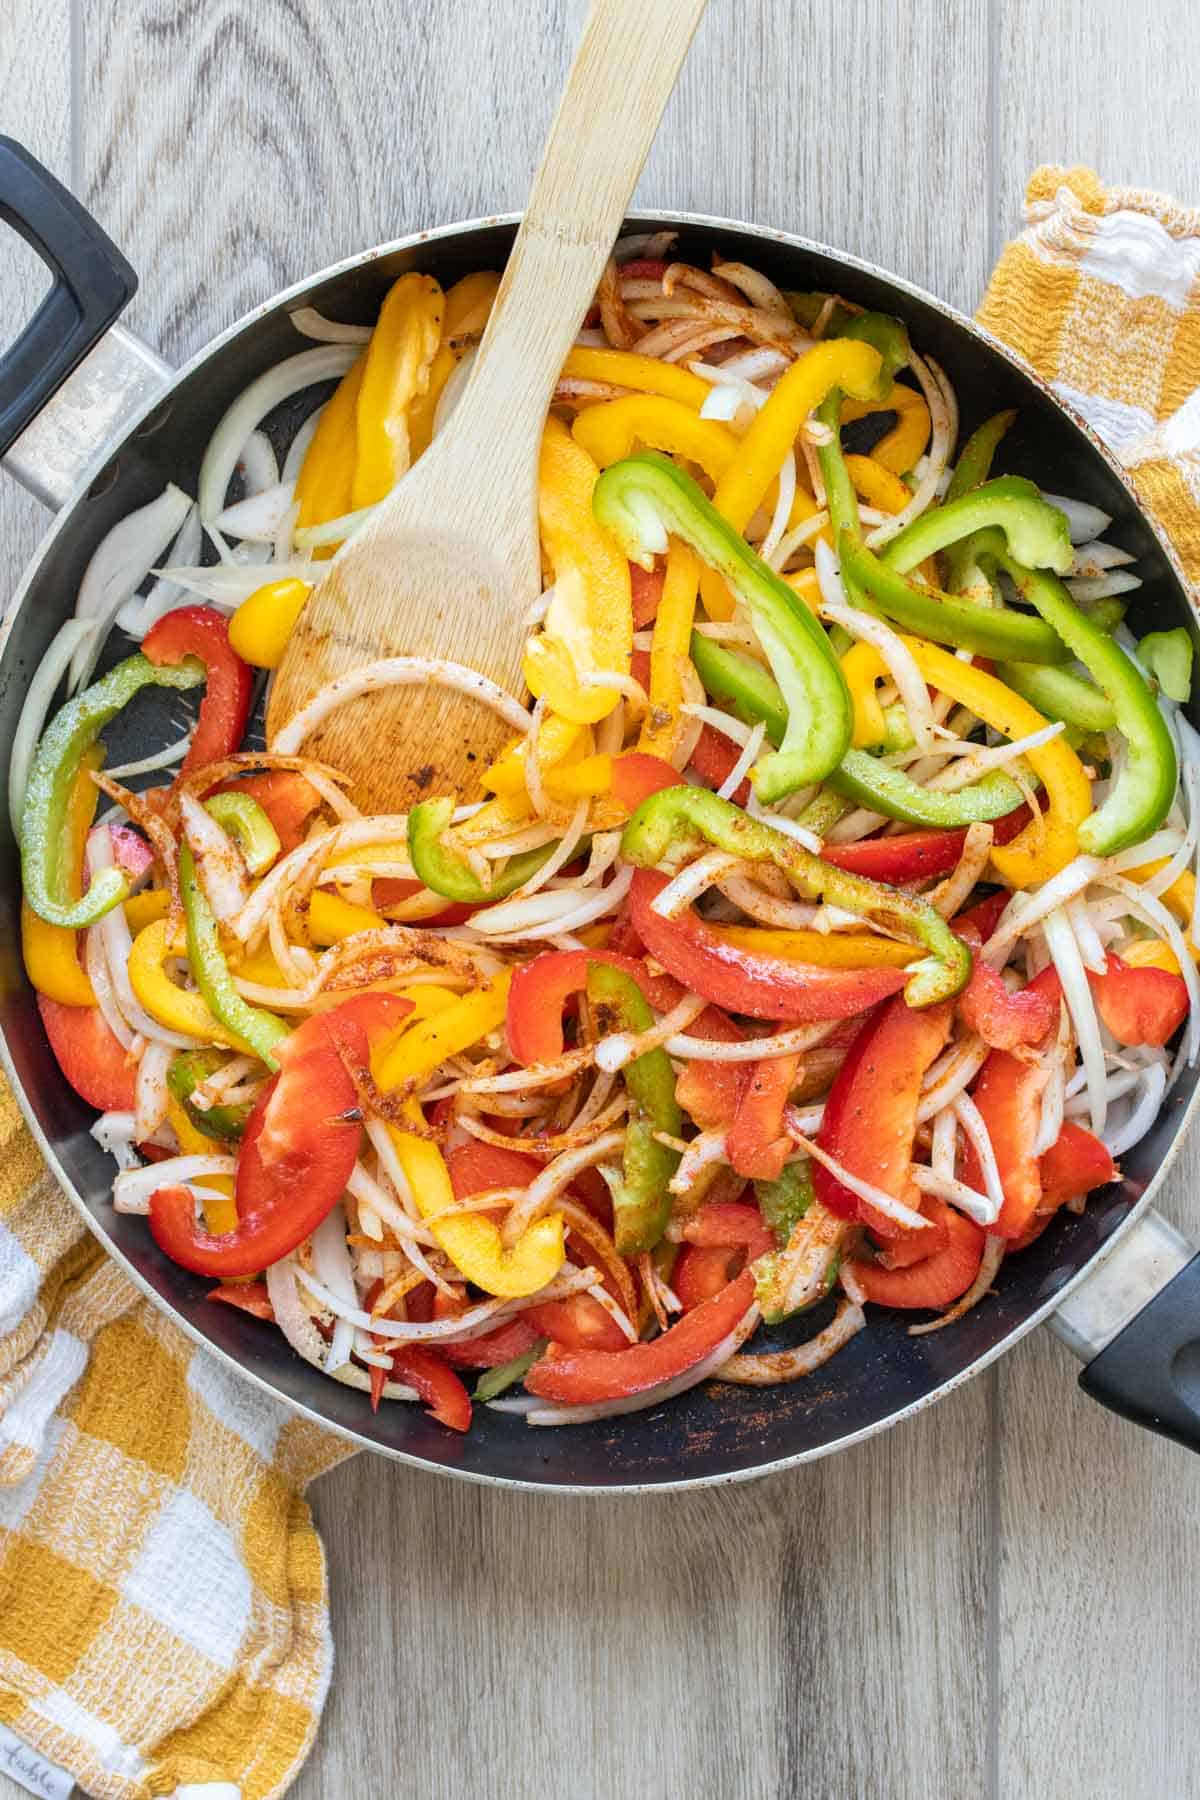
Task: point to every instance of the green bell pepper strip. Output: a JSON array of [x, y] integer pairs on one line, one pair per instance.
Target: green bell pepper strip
[[784, 1202], [1104, 614], [882, 789], [820, 717], [1059, 694], [975, 464], [444, 871], [258, 1030], [840, 496], [184, 1076], [884, 333], [741, 683], [1035, 532], [1141, 795], [45, 871], [746, 686], [1168, 656], [642, 1200], [684, 817], [494, 1381], [823, 812], [241, 816], [993, 631], [807, 309]]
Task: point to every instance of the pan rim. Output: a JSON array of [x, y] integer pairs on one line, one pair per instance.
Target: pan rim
[[660, 218]]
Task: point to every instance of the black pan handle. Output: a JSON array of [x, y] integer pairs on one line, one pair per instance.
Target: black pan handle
[[92, 284], [1136, 1324]]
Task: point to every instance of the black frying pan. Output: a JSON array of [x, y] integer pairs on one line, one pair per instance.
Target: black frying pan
[[103, 440]]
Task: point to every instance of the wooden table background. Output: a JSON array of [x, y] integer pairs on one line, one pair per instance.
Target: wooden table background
[[997, 1598]]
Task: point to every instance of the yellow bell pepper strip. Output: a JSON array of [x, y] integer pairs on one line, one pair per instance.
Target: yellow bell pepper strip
[[588, 627], [471, 1240], [612, 430], [330, 919], [326, 479], [557, 740], [645, 374], [263, 623], [828, 949], [901, 447], [863, 666], [877, 485], [468, 304], [583, 780], [646, 496], [1179, 898], [397, 370], [51, 952], [1044, 846], [179, 1009], [422, 1047], [663, 726], [1151, 953], [842, 364], [220, 1208], [144, 908]]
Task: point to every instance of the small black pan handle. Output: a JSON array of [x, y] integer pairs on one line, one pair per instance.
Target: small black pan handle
[[1135, 1324], [92, 284], [1150, 1372]]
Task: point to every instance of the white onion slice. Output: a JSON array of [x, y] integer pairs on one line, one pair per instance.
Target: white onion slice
[[226, 585], [901, 666], [971, 1119], [95, 962], [943, 421], [114, 940], [150, 1090], [115, 1133], [1026, 910], [1097, 557], [744, 764], [133, 1187], [1083, 521], [782, 1043], [622, 1047], [1153, 1083], [398, 671], [1100, 587], [218, 861], [312, 324], [63, 646], [259, 516], [694, 879], [886, 1203], [228, 441], [331, 1263], [1063, 948], [774, 1366], [119, 565], [137, 615], [161, 759]]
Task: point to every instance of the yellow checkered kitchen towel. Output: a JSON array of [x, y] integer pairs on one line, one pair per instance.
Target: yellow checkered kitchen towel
[[163, 1607], [162, 1590]]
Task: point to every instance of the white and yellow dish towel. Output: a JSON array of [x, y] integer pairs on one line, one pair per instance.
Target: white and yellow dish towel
[[163, 1609]]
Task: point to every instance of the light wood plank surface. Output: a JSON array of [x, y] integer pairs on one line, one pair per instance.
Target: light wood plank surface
[[994, 1599]]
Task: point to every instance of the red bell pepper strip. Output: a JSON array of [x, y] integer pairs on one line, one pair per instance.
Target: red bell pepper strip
[[1139, 1005], [870, 1118], [288, 798], [637, 775], [541, 988], [983, 917], [1004, 1019], [590, 1377], [437, 1384], [719, 1240], [757, 1145], [709, 1092], [1008, 1094], [937, 1280], [746, 981], [130, 851], [247, 1296], [645, 586], [494, 1348], [89, 1055], [915, 855], [712, 760], [577, 1323], [475, 1167], [299, 1148], [1075, 1163], [643, 268], [202, 632]]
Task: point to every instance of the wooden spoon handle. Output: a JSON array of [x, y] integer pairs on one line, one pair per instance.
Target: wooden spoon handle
[[619, 84]]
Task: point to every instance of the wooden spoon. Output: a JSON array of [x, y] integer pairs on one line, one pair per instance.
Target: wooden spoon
[[448, 565]]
